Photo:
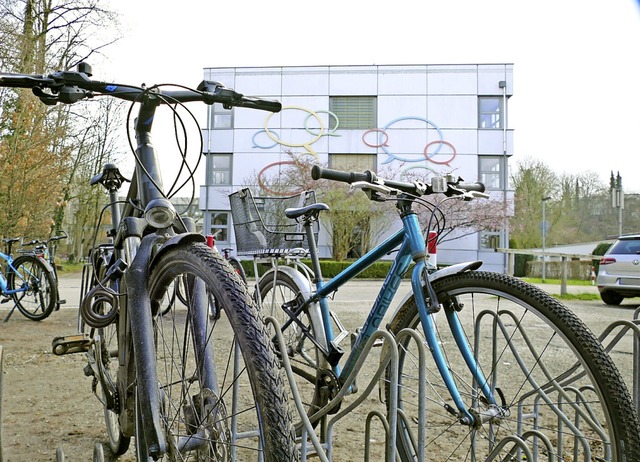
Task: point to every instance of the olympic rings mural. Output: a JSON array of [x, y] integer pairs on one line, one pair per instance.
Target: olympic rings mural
[[268, 138]]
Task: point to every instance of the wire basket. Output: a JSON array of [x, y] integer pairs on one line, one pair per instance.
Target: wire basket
[[261, 227]]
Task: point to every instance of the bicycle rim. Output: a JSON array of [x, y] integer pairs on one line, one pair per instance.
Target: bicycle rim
[[220, 392], [558, 395]]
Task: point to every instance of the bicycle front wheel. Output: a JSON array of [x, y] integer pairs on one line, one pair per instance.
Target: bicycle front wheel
[[37, 289], [221, 394], [543, 389]]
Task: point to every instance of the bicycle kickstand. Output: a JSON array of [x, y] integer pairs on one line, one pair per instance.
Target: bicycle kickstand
[[10, 312]]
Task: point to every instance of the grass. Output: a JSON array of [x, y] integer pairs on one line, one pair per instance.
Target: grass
[[570, 282], [66, 267], [580, 296]]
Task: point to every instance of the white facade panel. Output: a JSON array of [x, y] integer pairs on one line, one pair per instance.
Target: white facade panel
[[218, 140], [455, 111], [452, 80], [465, 166], [307, 111], [349, 141], [489, 78], [252, 140], [215, 196], [226, 76], [492, 141], [250, 118], [305, 81], [259, 82], [392, 107], [464, 141], [353, 80], [402, 80]]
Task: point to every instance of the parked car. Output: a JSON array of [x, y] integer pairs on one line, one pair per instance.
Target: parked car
[[619, 273]]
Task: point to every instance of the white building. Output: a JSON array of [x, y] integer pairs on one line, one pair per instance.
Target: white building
[[418, 118]]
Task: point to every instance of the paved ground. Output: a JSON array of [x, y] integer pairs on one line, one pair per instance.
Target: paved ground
[[356, 291]]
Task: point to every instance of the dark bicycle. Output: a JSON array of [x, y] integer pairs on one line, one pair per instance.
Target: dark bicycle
[[186, 386]]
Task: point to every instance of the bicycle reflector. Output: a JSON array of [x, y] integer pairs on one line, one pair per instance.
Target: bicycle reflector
[[160, 213]]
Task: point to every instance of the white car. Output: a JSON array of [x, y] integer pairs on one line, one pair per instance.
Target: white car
[[619, 273]]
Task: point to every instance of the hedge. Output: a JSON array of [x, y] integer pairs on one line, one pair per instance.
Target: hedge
[[331, 268]]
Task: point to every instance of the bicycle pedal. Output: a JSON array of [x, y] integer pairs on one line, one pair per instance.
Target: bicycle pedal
[[69, 344]]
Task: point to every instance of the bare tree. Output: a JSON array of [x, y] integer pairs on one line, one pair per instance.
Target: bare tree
[[43, 147]]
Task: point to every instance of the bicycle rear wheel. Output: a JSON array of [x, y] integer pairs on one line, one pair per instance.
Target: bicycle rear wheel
[[221, 394], [282, 291], [38, 293], [559, 396]]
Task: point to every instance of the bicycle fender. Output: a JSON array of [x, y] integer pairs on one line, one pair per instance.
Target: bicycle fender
[[47, 265], [302, 282], [442, 273], [177, 240]]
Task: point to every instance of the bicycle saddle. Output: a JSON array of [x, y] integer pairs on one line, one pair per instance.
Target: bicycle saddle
[[309, 210]]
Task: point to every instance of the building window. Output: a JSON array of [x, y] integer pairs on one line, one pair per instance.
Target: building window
[[220, 226], [353, 162], [490, 240], [220, 117], [490, 111], [219, 169], [492, 170], [353, 112]]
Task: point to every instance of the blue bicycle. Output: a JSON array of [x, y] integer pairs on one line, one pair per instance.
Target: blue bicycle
[[29, 282], [489, 367]]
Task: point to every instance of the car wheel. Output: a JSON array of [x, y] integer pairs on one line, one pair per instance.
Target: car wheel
[[611, 298]]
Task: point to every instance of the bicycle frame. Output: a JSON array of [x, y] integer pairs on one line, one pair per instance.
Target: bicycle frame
[[412, 248], [3, 278]]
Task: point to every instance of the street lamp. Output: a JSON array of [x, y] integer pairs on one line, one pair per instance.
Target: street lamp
[[544, 235]]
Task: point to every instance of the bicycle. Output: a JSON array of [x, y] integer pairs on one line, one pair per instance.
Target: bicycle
[[46, 249], [489, 367], [29, 282], [184, 386]]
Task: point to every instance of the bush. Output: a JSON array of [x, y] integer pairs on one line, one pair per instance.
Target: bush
[[600, 250], [520, 264]]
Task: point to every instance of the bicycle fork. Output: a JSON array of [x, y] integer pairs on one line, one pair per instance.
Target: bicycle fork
[[419, 279]]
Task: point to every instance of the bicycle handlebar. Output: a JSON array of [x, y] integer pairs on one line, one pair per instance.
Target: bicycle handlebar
[[446, 185], [72, 86]]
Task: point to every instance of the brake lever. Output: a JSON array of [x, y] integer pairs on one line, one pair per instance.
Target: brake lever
[[46, 98]]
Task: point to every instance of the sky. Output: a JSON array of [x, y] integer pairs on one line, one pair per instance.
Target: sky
[[576, 101]]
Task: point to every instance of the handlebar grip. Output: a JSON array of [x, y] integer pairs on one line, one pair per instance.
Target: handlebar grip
[[318, 172], [263, 104], [477, 186], [23, 80]]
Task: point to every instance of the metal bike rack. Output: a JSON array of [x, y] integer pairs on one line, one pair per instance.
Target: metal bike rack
[[321, 446], [625, 328]]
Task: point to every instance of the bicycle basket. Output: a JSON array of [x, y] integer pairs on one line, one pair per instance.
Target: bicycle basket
[[260, 226]]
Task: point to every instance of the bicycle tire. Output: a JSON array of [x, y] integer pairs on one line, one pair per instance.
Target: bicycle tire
[[237, 267], [40, 296], [197, 395], [563, 359], [303, 354]]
